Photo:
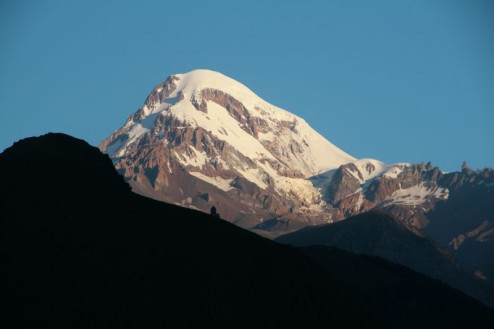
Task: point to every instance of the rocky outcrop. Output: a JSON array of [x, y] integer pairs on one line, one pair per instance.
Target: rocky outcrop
[[482, 233], [343, 184], [379, 189], [409, 193]]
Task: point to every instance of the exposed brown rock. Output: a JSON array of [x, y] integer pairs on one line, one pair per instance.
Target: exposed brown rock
[[342, 184], [381, 188]]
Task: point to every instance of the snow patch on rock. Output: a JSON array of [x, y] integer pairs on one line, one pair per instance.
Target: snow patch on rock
[[221, 183], [417, 195]]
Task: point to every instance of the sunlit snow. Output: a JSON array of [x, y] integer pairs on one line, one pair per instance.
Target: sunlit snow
[[417, 195], [315, 154]]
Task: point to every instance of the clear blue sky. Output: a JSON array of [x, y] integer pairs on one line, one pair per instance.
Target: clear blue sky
[[392, 80]]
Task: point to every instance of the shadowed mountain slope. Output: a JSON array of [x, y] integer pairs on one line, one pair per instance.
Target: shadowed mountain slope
[[395, 293], [378, 234], [466, 224]]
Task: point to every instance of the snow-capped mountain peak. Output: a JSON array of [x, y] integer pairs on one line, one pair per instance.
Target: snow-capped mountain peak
[[203, 139], [233, 113], [219, 131]]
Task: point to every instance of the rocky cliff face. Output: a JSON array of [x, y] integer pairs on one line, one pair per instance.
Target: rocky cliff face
[[410, 192], [455, 209], [407, 191]]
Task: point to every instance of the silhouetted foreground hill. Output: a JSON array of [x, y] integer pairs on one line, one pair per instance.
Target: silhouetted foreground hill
[[78, 249]]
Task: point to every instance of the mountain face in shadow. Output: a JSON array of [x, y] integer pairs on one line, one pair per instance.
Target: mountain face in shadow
[[465, 224], [78, 249], [378, 234], [402, 297]]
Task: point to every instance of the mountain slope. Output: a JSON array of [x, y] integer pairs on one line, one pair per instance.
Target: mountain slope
[[202, 138], [465, 223], [377, 234], [73, 256], [394, 292]]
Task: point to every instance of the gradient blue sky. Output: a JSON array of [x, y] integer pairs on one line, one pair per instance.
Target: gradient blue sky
[[392, 80]]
